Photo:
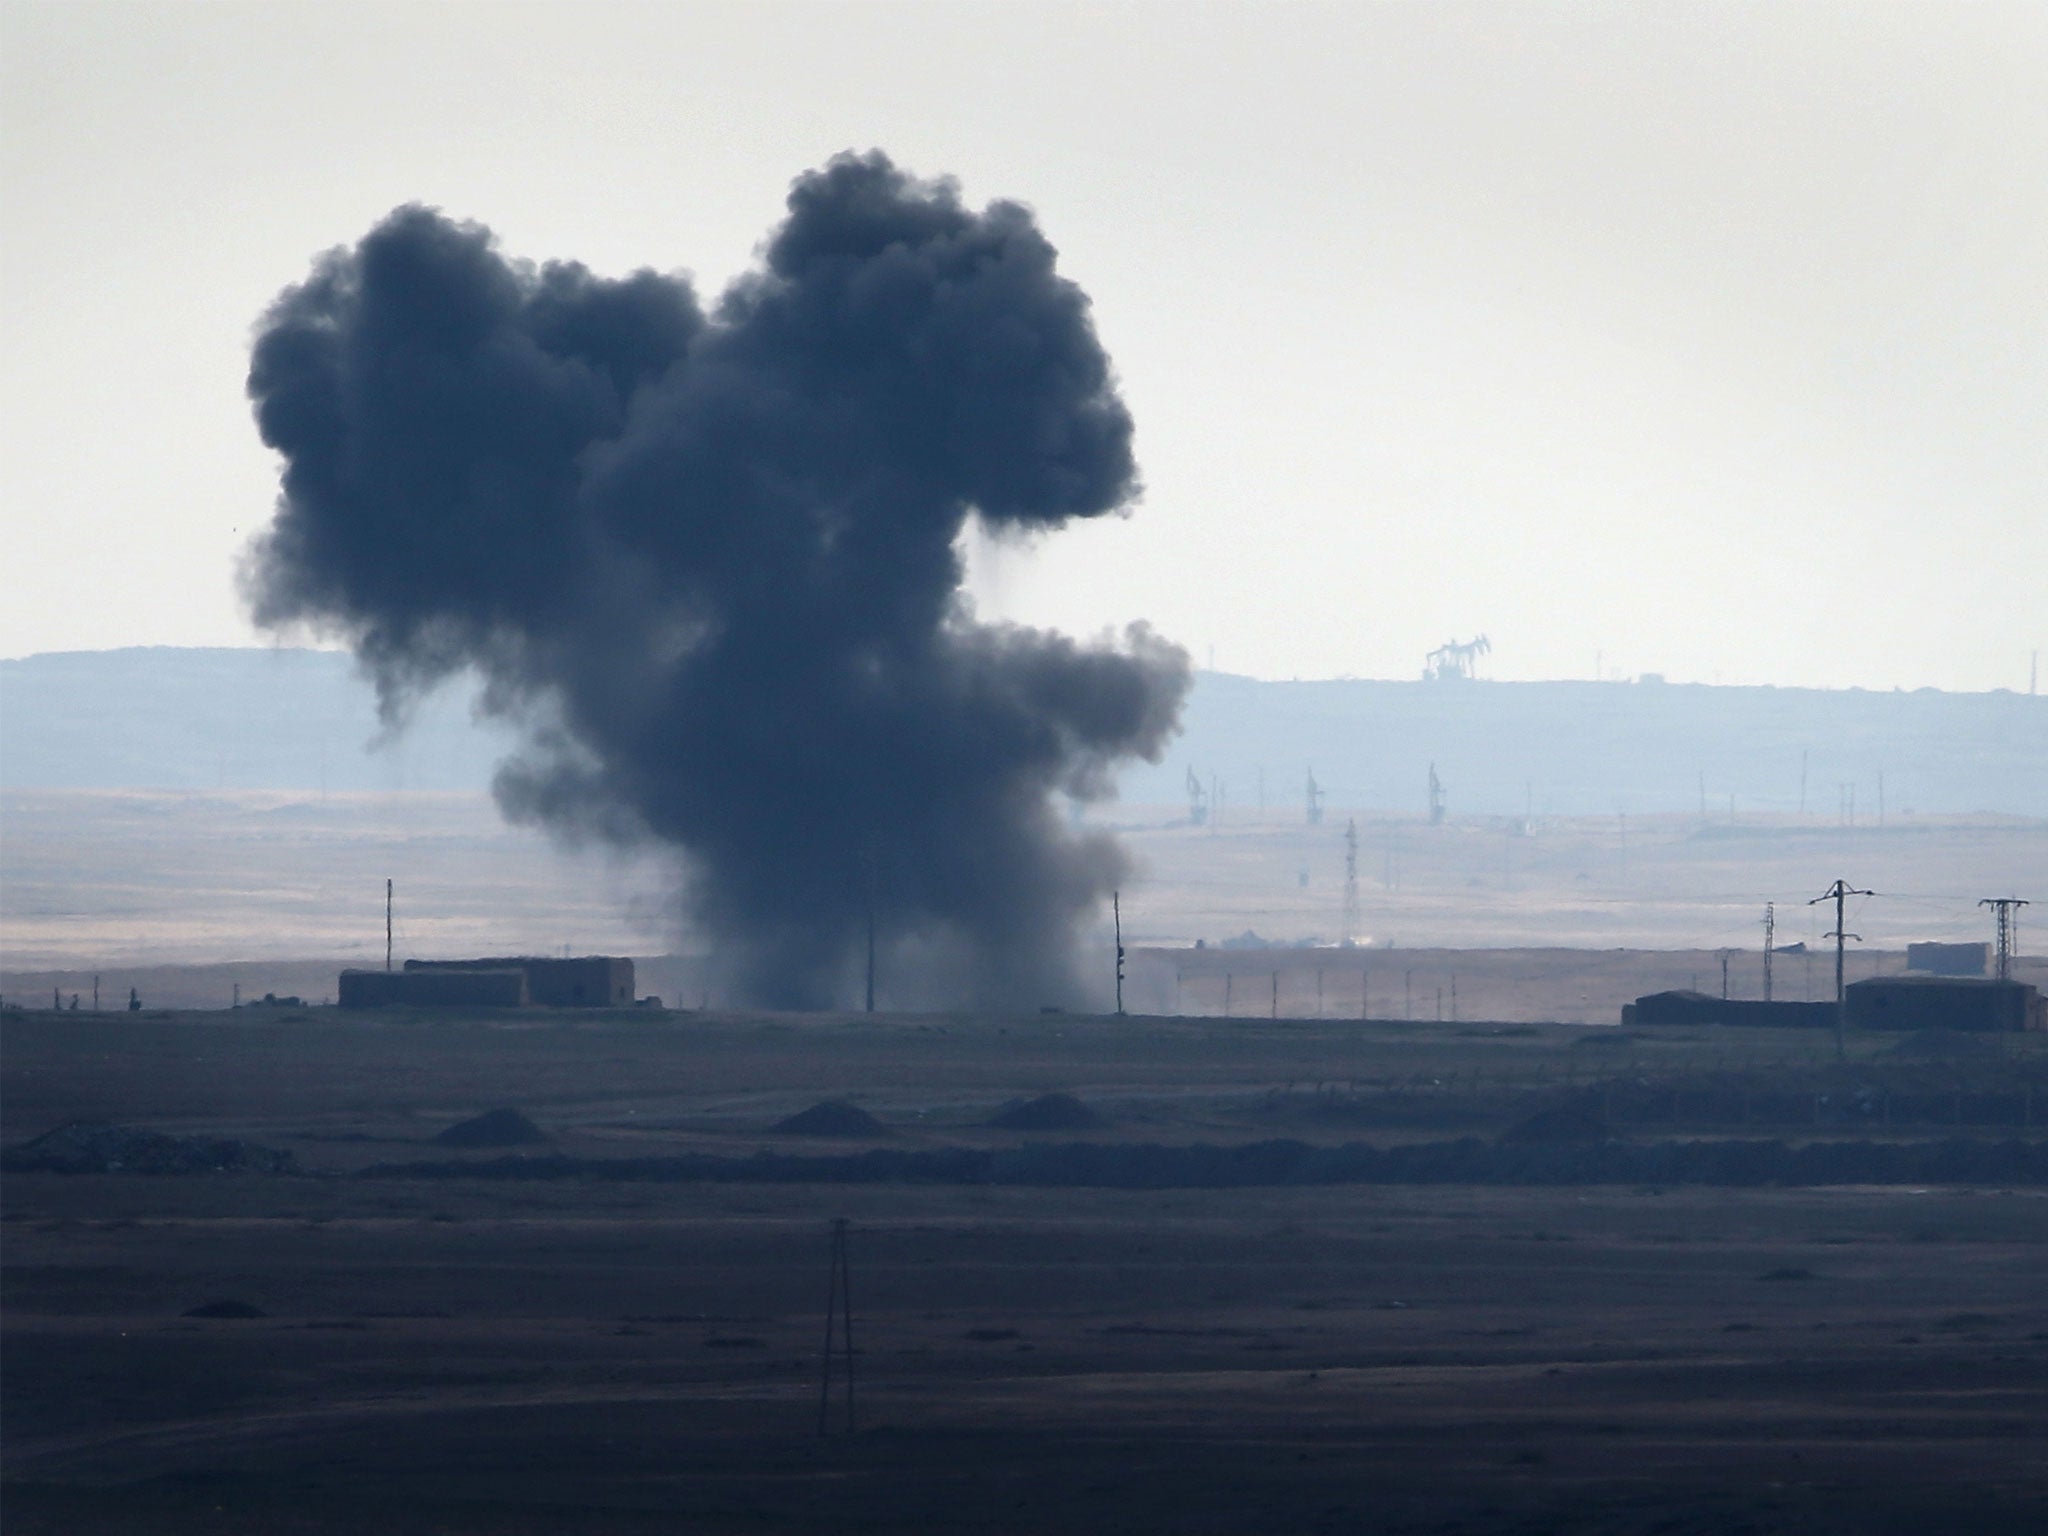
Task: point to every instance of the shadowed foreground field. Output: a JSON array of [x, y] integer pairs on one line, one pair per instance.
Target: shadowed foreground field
[[472, 1354]]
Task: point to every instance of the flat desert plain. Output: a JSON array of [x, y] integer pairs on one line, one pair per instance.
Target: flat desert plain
[[620, 1329], [117, 880]]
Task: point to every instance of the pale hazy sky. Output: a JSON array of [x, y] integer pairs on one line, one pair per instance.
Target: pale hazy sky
[[1705, 339]]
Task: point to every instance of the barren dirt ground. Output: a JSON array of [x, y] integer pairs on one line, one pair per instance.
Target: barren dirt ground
[[110, 881], [480, 1355]]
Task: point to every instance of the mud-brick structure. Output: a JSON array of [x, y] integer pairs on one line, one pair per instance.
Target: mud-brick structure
[[474, 988], [1945, 1002], [588, 981]]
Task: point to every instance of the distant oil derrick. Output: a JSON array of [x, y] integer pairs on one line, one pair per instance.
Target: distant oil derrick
[[1454, 659], [1198, 799], [1316, 796], [1436, 798]]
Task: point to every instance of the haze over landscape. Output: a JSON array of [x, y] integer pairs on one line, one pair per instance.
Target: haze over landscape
[[1705, 341]]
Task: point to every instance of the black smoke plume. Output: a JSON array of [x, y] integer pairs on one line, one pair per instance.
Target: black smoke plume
[[707, 561]]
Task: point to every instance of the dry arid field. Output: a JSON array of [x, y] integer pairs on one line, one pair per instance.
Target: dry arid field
[[1259, 1276]]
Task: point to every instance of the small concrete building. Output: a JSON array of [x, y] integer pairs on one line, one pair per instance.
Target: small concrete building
[[1684, 1007], [1948, 959], [1945, 1002], [590, 981], [409, 988]]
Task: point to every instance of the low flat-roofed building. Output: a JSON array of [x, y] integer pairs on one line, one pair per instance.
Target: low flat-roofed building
[[1683, 1007], [1948, 959], [587, 981], [1945, 1002], [471, 988]]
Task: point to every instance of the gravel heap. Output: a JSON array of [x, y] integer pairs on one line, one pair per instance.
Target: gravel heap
[[493, 1128], [833, 1117]]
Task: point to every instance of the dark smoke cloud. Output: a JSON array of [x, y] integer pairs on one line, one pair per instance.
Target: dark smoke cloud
[[708, 562]]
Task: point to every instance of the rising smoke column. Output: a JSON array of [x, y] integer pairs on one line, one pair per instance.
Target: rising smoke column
[[707, 561]]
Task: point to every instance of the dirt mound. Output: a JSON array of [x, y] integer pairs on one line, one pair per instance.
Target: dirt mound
[[832, 1117], [1560, 1123], [493, 1128], [1944, 1045], [82, 1147], [1047, 1112]]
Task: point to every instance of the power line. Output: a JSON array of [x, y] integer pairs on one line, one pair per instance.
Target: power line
[[2006, 910], [1770, 943], [1350, 932], [1839, 893], [871, 931], [838, 1306], [1117, 913]]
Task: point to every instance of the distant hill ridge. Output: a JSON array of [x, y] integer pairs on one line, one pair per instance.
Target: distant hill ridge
[[298, 719]]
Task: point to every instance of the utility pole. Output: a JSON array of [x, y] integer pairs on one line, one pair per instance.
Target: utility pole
[[387, 924], [1275, 1013], [1724, 974], [838, 1306], [1839, 893], [871, 929], [1770, 943], [1350, 882], [2006, 910], [1117, 913]]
